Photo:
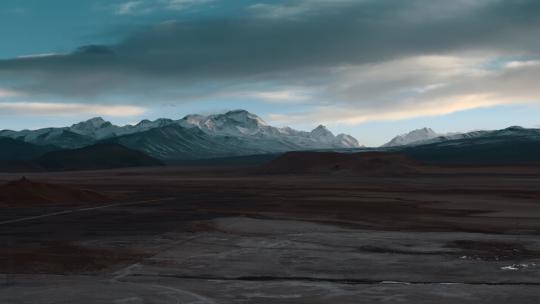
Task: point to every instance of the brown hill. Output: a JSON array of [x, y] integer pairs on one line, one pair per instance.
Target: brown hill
[[25, 192], [366, 163]]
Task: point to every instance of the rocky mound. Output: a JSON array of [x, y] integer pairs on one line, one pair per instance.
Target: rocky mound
[[26, 192], [367, 163]]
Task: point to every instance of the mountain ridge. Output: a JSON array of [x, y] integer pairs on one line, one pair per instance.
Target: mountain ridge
[[513, 145], [427, 136], [232, 133], [412, 137]]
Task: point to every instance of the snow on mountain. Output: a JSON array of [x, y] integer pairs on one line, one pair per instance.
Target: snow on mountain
[[175, 142], [454, 136], [514, 132], [146, 125], [506, 146], [83, 133], [234, 123], [425, 137], [241, 123], [60, 137], [347, 141], [96, 128], [413, 137], [323, 135], [232, 133], [236, 133], [91, 124]]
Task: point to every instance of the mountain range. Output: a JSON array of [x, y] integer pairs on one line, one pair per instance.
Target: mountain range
[[513, 145], [96, 143], [427, 136], [234, 133], [413, 137]]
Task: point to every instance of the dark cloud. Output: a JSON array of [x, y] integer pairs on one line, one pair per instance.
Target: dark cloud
[[291, 43], [95, 50]]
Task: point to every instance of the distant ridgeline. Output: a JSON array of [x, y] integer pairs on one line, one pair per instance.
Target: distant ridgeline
[[235, 133], [236, 137], [513, 145]]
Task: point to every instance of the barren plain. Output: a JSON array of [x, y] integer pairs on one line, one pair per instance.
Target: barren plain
[[234, 235]]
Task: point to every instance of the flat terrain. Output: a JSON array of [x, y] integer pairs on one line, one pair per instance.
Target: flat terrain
[[231, 235]]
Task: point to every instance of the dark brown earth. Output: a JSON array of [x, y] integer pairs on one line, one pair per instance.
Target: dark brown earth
[[365, 163], [212, 232], [465, 200], [62, 257], [24, 192]]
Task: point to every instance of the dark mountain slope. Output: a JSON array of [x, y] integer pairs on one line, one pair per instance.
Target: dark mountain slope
[[99, 156], [493, 150], [175, 142], [16, 150], [59, 137]]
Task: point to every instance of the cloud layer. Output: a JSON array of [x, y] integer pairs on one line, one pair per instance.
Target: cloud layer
[[353, 61]]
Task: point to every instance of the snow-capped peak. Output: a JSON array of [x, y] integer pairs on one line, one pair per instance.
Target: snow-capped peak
[[321, 131], [245, 117], [246, 128], [148, 124], [415, 136], [235, 123], [93, 123], [96, 127], [322, 134], [347, 141], [239, 119]]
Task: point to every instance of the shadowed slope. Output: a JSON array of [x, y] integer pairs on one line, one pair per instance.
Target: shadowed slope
[[18, 150], [496, 149], [100, 156]]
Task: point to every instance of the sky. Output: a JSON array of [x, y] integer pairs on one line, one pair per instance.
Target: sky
[[370, 68]]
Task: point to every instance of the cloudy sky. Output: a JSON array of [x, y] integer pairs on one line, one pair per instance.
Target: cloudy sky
[[371, 68]]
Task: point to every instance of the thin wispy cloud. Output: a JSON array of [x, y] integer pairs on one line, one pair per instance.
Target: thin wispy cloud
[[298, 8], [522, 64], [129, 7], [285, 96], [7, 93], [352, 115], [67, 109], [149, 6]]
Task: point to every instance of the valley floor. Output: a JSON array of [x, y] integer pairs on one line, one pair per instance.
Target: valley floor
[[207, 235]]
